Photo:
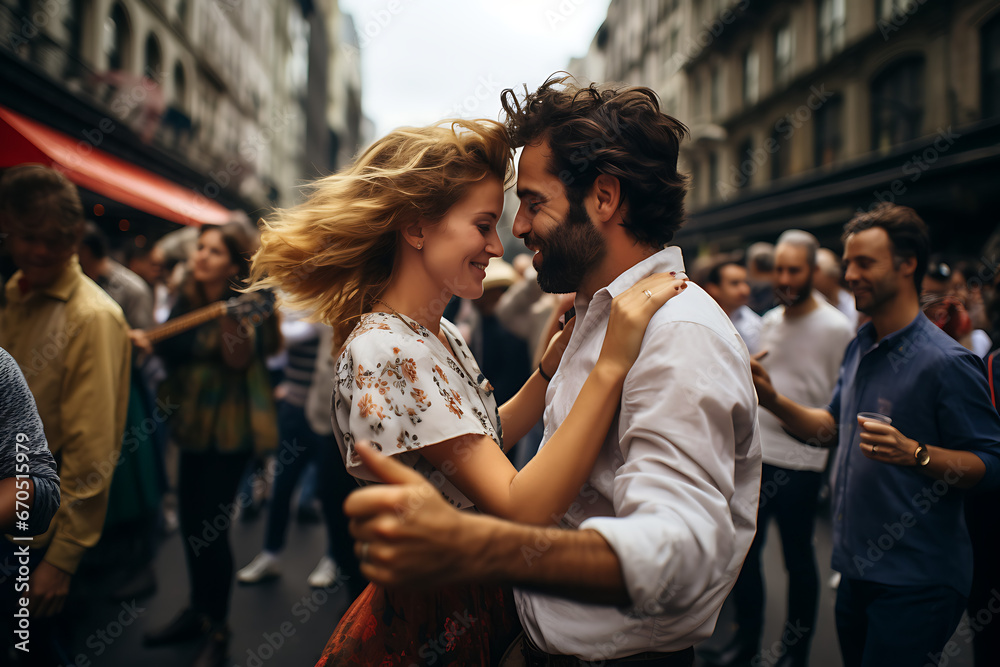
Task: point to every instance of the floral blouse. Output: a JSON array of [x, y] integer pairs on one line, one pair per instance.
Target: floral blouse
[[400, 388]]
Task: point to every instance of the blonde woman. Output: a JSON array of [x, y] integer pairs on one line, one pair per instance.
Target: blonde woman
[[377, 251]]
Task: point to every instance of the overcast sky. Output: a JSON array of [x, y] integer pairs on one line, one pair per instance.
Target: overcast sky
[[425, 60]]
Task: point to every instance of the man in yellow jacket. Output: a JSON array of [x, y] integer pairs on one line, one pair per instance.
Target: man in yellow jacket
[[72, 345]]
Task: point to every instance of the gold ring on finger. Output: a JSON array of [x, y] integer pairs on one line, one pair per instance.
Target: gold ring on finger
[[649, 295], [874, 449]]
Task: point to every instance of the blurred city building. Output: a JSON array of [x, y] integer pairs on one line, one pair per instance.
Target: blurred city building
[[179, 111], [804, 111]]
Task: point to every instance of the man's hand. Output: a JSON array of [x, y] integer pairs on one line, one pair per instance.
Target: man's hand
[[766, 394], [140, 340], [406, 533], [49, 588], [884, 443]]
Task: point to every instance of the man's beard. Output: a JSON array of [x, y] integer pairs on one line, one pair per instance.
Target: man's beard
[[569, 251], [789, 298]]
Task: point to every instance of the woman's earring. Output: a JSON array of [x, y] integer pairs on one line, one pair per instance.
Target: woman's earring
[[420, 245]]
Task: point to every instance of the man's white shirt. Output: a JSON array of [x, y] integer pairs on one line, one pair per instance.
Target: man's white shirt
[[675, 488], [803, 359]]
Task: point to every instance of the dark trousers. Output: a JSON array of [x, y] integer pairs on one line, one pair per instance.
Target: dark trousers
[[334, 484], [983, 519], [790, 497], [299, 446], [880, 625], [206, 490]]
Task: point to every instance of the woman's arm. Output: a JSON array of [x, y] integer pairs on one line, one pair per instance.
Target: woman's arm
[[541, 492]]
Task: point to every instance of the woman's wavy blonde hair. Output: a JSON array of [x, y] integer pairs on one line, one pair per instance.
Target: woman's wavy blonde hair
[[334, 253]]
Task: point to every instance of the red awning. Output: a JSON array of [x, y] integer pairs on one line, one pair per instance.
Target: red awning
[[24, 140]]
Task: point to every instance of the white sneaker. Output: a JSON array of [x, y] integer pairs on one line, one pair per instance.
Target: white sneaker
[[324, 575], [263, 566]]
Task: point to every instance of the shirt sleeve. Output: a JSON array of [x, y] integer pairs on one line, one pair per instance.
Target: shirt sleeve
[[141, 312], [94, 400], [834, 407], [21, 432], [397, 394], [965, 415], [685, 495]]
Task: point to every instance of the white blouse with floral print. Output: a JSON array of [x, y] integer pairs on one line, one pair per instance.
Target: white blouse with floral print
[[400, 388]]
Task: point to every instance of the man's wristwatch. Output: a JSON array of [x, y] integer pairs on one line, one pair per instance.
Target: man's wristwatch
[[922, 455]]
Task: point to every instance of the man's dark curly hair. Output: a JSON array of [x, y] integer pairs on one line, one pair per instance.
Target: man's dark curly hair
[[614, 130]]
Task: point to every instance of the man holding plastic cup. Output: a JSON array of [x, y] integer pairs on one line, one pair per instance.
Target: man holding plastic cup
[[899, 539]]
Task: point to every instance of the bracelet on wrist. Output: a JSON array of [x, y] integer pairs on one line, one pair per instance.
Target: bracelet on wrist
[[545, 376]]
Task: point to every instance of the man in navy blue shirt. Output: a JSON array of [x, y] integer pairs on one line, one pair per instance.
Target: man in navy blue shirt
[[899, 537]]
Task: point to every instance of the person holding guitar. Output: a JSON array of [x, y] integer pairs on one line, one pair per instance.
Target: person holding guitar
[[217, 380]]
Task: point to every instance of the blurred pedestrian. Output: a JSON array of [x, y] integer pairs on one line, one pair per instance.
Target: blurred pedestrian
[[224, 415], [829, 283], [301, 445], [127, 289], [760, 275], [131, 524], [147, 262], [914, 427], [26, 464], [29, 498], [71, 341], [726, 282], [802, 346]]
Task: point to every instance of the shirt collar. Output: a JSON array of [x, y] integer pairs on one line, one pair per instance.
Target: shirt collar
[[867, 333], [668, 259], [62, 289]]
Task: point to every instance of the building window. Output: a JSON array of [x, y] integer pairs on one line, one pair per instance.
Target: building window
[[696, 96], [751, 77], [889, 8], [116, 39], [713, 176], [990, 47], [154, 64], [898, 103], [716, 91], [180, 85], [829, 131], [73, 21], [779, 145], [832, 20], [782, 54], [745, 165]]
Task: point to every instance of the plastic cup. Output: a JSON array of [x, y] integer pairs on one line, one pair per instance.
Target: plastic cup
[[875, 416]]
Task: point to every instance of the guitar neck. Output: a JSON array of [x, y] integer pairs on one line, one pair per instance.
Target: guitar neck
[[187, 321]]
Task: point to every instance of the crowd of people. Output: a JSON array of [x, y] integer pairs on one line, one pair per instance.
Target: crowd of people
[[580, 450]]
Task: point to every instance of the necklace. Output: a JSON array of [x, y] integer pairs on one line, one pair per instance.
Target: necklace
[[396, 313]]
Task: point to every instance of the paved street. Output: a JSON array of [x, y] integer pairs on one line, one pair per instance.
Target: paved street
[[280, 622]]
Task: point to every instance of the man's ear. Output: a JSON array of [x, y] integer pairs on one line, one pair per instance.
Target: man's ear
[[414, 234], [605, 198], [908, 267]]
